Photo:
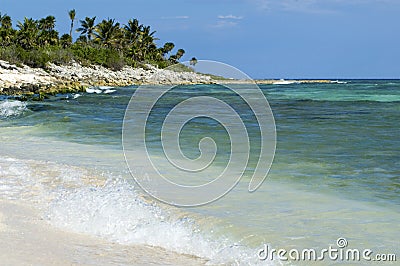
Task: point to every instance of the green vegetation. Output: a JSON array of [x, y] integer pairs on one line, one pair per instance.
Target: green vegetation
[[107, 43]]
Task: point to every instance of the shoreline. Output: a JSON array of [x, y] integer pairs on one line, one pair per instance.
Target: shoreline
[[24, 80], [28, 239], [28, 82]]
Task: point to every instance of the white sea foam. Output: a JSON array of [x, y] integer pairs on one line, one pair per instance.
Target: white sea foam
[[105, 87], [11, 108], [109, 91], [76, 96], [285, 82], [115, 212], [100, 89], [75, 201], [338, 82], [93, 90]]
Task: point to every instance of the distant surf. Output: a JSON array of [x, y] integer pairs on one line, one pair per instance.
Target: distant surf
[[101, 89]]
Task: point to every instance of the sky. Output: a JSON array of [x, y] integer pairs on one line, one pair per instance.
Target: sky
[[334, 39]]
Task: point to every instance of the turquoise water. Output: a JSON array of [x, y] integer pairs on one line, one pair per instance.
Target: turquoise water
[[336, 171]]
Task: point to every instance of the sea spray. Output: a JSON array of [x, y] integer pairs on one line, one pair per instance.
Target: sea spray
[[117, 213], [11, 108], [77, 200]]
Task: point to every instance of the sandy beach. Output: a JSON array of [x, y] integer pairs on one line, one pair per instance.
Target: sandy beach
[[27, 239]]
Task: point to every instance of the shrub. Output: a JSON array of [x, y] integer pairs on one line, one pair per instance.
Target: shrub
[[115, 61]]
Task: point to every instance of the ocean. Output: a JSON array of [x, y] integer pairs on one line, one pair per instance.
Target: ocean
[[335, 174]]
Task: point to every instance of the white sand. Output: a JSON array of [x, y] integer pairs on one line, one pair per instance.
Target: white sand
[[26, 239]]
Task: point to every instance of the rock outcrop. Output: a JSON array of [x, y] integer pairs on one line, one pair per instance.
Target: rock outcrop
[[25, 80]]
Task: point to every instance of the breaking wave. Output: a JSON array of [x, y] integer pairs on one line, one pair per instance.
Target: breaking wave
[[10, 108]]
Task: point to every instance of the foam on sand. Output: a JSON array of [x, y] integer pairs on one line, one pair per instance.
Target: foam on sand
[[27, 239], [71, 199]]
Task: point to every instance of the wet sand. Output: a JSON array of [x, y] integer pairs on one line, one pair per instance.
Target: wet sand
[[27, 239]]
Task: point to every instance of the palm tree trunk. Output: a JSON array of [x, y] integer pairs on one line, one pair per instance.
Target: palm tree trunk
[[70, 31]]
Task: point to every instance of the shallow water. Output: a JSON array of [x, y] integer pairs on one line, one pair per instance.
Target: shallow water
[[336, 171]]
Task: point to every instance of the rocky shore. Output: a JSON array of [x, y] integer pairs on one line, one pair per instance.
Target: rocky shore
[[24, 80], [27, 81]]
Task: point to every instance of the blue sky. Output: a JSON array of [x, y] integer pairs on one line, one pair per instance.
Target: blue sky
[[263, 38]]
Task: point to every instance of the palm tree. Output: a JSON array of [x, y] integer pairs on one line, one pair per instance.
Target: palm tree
[[120, 41], [132, 40], [147, 32], [133, 30], [72, 14], [87, 27], [48, 23], [175, 57], [167, 48], [82, 39], [28, 33], [6, 31], [180, 53], [48, 38], [133, 33], [107, 31], [65, 40], [5, 21], [47, 33], [146, 43], [193, 61]]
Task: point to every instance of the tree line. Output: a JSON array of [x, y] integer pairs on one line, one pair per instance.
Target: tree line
[[108, 43]]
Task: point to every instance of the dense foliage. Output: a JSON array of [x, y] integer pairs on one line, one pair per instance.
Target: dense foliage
[[107, 43]]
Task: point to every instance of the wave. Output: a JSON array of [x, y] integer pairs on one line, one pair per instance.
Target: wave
[[338, 82], [116, 213], [285, 82], [101, 89], [288, 82], [10, 108], [74, 200]]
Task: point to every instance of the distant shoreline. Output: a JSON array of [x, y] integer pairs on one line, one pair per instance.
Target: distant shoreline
[[276, 81], [38, 83]]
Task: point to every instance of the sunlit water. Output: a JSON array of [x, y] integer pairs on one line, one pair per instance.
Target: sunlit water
[[336, 171]]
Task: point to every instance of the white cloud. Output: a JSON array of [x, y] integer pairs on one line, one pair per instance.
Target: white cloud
[[227, 21], [230, 17]]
